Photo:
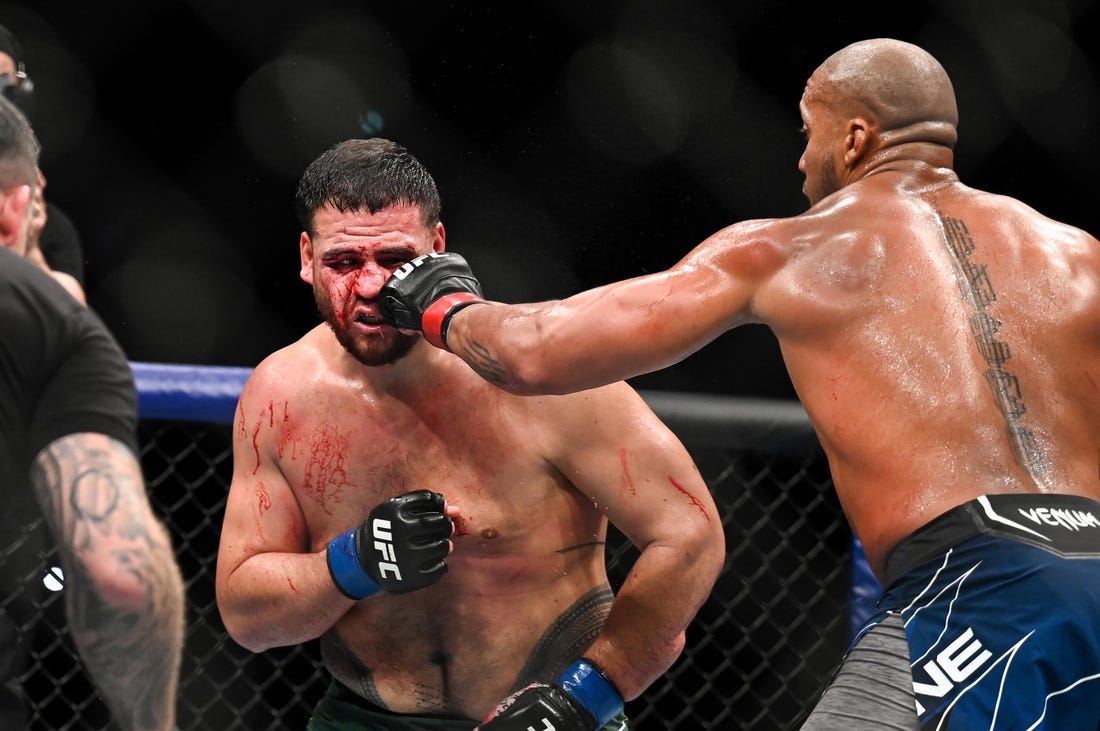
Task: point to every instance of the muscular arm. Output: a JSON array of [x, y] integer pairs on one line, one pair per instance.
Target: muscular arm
[[272, 590], [123, 591], [619, 330], [618, 454]]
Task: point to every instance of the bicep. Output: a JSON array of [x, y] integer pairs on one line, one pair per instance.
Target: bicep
[[616, 331], [651, 322], [262, 514]]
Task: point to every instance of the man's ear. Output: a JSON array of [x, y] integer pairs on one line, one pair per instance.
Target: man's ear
[[857, 141], [305, 249], [15, 205], [439, 239]]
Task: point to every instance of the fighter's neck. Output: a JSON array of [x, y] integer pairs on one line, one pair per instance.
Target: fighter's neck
[[417, 370], [921, 159]]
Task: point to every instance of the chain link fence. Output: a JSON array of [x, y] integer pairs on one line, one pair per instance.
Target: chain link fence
[[758, 654]]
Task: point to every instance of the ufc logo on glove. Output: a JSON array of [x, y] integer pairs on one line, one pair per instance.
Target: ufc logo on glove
[[411, 532], [383, 543], [407, 267]]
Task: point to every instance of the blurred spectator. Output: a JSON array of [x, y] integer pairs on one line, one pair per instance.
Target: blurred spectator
[[68, 459], [53, 242]]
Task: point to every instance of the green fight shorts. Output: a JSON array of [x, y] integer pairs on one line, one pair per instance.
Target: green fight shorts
[[342, 710]]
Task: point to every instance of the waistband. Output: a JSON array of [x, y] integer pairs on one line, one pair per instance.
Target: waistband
[[1068, 525], [341, 704]]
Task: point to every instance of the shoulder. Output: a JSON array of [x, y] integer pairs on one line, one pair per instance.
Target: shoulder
[[292, 371], [43, 318], [27, 290], [754, 249]]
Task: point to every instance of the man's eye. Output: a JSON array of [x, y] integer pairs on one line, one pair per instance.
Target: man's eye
[[346, 262], [394, 263]]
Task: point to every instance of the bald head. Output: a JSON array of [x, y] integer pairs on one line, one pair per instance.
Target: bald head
[[898, 84]]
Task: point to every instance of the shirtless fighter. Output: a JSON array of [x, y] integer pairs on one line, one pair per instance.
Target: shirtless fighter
[[945, 342], [363, 456]]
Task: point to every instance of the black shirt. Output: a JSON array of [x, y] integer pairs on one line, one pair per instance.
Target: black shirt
[[61, 372]]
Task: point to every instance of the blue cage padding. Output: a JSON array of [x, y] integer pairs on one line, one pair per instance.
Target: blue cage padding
[[188, 393], [209, 394]]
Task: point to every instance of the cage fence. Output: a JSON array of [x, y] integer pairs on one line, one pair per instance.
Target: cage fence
[[758, 653]]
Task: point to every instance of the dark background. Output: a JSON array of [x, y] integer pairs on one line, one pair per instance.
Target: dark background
[[574, 143]]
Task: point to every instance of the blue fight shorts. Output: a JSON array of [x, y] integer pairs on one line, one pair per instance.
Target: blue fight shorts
[[1000, 603]]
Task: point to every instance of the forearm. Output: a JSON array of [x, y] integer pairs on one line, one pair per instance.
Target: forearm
[[132, 647], [124, 592], [280, 599], [591, 339], [548, 348], [644, 632], [500, 343]]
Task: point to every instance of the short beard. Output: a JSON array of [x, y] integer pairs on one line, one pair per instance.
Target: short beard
[[827, 181], [375, 352]]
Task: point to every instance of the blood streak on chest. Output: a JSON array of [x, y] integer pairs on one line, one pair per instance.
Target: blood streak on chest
[[325, 476], [263, 500]]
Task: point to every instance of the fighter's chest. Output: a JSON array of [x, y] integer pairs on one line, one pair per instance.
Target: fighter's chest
[[348, 457]]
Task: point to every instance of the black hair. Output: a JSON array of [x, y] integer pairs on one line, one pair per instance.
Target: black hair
[[371, 175]]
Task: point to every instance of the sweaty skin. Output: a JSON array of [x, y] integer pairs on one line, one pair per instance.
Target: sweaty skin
[[321, 439], [942, 339]]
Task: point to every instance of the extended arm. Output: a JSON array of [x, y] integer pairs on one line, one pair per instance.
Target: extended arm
[[595, 337], [123, 591]]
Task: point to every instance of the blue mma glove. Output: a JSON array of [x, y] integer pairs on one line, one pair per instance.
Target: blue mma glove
[[581, 699], [402, 546]]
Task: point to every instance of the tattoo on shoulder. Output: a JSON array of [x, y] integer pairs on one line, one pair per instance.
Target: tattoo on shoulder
[[567, 637], [977, 291]]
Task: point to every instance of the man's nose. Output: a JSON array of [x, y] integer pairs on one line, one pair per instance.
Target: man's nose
[[369, 281]]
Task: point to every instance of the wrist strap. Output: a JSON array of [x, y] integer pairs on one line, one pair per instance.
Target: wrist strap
[[587, 683], [437, 317], [347, 573]]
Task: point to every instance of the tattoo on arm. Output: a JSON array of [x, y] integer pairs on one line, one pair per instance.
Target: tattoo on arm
[[569, 636], [482, 361], [123, 590]]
